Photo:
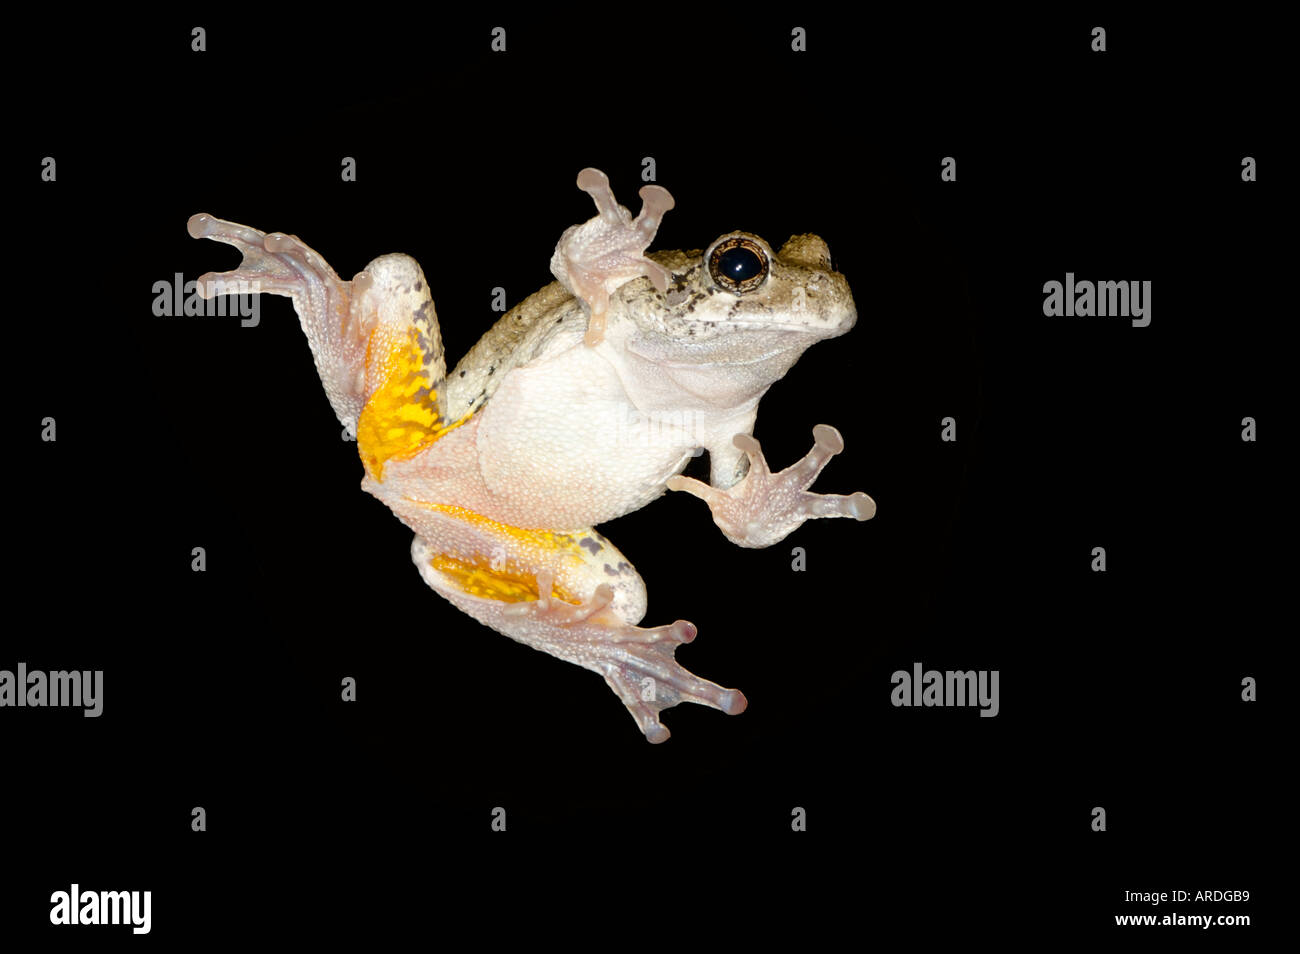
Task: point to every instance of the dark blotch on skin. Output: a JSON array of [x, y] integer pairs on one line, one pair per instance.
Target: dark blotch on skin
[[419, 285], [610, 570], [590, 544]]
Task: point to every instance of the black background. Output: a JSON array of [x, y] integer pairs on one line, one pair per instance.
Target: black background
[[1119, 690]]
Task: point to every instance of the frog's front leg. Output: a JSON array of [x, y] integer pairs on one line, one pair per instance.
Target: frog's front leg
[[595, 259], [763, 508], [571, 595]]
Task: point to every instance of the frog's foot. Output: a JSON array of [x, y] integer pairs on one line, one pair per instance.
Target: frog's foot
[[595, 259], [276, 264], [279, 264], [763, 508], [637, 663]]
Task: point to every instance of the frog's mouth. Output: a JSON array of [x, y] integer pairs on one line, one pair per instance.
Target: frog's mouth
[[762, 342], [759, 325]]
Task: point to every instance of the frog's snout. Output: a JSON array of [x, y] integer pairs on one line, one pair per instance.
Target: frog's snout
[[808, 250]]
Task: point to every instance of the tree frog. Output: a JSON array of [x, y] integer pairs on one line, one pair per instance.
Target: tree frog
[[583, 402]]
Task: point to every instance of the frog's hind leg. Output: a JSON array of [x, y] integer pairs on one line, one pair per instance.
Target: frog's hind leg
[[572, 595], [375, 339], [279, 264]]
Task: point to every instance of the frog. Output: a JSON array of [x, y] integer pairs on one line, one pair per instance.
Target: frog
[[584, 402]]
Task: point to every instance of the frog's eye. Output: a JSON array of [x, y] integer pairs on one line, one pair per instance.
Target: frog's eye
[[738, 264]]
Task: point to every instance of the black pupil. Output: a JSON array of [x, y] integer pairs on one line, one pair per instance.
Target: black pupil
[[739, 264]]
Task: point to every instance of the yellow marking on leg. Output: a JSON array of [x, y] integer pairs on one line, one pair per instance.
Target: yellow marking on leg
[[503, 579], [548, 540], [509, 585], [401, 417]]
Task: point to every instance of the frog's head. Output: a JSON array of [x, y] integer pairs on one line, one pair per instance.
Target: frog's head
[[738, 284], [740, 303], [793, 289]]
